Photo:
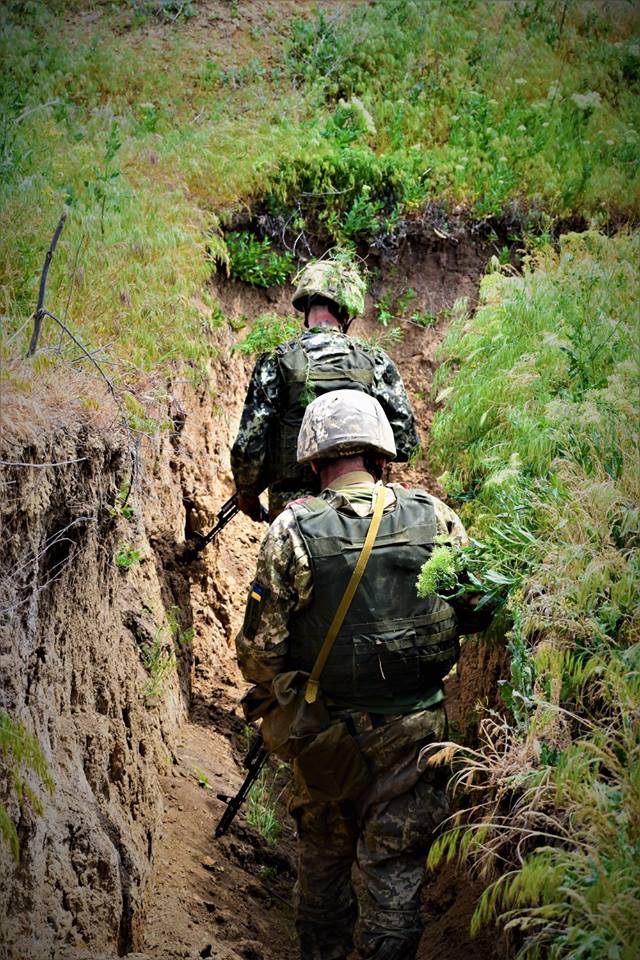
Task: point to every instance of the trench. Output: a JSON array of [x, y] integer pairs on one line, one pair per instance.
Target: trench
[[123, 857], [231, 898]]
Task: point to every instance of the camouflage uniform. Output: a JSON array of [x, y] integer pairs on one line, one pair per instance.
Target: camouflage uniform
[[267, 398], [388, 832]]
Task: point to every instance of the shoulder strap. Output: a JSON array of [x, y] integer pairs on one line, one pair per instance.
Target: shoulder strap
[[311, 691]]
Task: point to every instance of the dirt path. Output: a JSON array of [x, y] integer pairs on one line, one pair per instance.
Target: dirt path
[[231, 898]]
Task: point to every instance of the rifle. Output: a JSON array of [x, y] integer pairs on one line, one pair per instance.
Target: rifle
[[226, 513], [254, 762]]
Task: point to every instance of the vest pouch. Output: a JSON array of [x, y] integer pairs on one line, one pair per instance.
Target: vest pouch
[[289, 723], [332, 766]]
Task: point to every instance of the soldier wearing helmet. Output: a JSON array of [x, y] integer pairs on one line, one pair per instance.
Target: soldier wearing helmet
[[381, 682], [330, 293]]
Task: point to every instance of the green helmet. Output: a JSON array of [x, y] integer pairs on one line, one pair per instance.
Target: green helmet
[[342, 423], [334, 279]]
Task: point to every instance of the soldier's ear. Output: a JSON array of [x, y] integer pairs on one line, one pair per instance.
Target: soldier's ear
[[314, 467]]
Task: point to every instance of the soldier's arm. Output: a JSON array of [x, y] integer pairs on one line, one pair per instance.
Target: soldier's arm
[[389, 389], [249, 451], [262, 643]]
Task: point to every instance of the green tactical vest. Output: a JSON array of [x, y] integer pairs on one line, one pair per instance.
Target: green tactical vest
[[315, 364], [392, 644]]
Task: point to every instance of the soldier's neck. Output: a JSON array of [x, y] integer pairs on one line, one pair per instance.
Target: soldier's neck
[[331, 470], [319, 316]]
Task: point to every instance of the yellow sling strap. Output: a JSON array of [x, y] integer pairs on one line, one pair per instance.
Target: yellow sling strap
[[311, 691]]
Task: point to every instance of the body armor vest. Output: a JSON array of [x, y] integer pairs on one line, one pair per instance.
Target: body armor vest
[[311, 366], [392, 644]]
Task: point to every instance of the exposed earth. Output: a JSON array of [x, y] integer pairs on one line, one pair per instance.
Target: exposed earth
[[231, 897]]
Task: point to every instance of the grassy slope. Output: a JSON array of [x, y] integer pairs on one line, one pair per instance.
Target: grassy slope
[[152, 131]]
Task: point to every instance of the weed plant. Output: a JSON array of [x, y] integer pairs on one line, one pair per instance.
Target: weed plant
[[254, 261], [160, 662], [268, 331], [539, 437], [20, 757], [262, 803], [127, 556]]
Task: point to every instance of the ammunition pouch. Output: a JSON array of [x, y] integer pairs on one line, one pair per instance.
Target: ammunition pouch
[[323, 752]]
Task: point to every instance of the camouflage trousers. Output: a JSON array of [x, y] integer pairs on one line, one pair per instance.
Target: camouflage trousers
[[384, 838]]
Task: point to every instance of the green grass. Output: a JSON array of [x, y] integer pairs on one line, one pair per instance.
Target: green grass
[[340, 126], [20, 757], [539, 437]]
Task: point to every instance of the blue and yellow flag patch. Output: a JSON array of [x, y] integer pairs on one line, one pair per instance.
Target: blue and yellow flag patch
[[257, 594]]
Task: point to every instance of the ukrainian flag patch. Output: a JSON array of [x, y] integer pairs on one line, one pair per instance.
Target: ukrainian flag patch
[[257, 594]]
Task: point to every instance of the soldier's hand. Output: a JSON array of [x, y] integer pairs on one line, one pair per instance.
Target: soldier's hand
[[250, 504]]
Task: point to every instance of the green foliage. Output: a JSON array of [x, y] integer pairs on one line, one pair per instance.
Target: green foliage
[[539, 436], [20, 751], [374, 114], [262, 803], [159, 661], [439, 573], [254, 261], [127, 556], [202, 778], [268, 331], [123, 506]]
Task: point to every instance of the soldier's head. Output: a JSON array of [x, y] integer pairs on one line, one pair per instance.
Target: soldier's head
[[329, 289], [346, 425]]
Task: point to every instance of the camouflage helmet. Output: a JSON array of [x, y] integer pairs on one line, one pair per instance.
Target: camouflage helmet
[[342, 423], [336, 279]]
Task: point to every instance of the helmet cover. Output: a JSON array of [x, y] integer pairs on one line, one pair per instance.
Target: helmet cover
[[335, 279], [343, 423]]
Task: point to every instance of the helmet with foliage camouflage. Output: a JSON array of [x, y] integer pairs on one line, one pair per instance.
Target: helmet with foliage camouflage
[[334, 278], [344, 422]]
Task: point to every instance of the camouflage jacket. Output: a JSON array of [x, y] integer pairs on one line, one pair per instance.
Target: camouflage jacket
[[284, 581], [267, 399]]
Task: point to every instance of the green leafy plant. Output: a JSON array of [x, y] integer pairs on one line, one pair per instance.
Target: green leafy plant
[[20, 751], [123, 506], [127, 557], [101, 186], [268, 331], [202, 778], [254, 261]]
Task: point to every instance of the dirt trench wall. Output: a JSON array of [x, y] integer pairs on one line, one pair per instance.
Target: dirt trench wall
[[72, 634]]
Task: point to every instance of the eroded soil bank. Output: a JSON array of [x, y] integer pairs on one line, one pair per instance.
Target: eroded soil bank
[[123, 858]]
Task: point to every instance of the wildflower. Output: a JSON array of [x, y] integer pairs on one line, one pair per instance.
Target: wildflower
[[519, 81], [522, 128], [546, 123], [586, 101]]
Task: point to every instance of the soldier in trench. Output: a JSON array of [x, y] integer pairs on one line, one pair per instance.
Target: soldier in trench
[[381, 686], [330, 293]]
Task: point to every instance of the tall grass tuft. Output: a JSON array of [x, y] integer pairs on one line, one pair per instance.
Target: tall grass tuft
[[539, 437]]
